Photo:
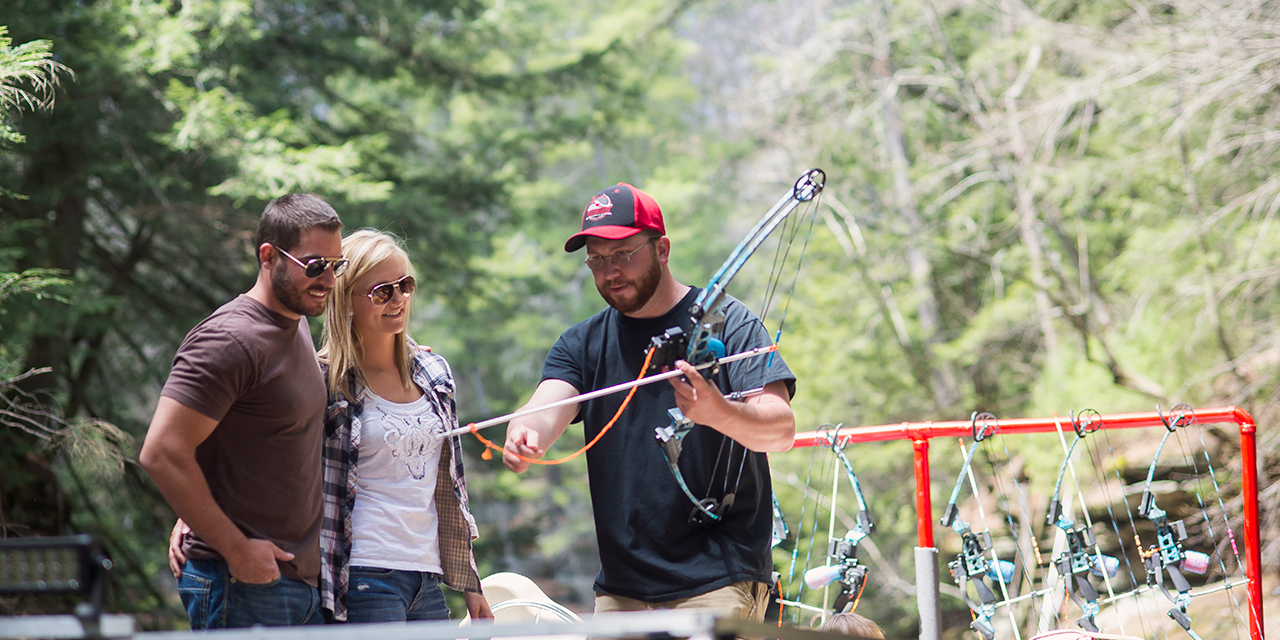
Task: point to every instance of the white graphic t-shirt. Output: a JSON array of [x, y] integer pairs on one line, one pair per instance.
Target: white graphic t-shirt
[[394, 523]]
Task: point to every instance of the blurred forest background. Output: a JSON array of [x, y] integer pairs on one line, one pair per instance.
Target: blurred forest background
[[1031, 208]]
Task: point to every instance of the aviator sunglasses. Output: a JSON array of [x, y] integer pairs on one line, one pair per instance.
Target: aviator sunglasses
[[316, 266], [382, 293]]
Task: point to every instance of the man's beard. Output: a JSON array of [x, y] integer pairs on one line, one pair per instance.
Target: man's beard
[[291, 297], [645, 287]]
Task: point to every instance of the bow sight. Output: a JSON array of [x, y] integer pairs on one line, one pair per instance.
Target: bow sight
[[673, 345]]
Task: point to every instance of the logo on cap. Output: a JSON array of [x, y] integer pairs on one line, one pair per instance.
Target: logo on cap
[[600, 207]]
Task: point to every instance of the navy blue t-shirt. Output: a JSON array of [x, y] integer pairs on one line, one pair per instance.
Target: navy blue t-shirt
[[648, 549]]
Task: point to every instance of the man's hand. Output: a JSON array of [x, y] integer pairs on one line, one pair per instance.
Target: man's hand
[[699, 400], [760, 423], [523, 441], [256, 565], [176, 559], [255, 561], [533, 434], [477, 606]]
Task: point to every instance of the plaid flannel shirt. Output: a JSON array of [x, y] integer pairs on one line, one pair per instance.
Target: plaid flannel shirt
[[457, 528]]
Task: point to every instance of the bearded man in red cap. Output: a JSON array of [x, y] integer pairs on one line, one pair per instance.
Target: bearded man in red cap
[[658, 551]]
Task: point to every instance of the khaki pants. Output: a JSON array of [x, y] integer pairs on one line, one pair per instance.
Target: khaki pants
[[743, 600]]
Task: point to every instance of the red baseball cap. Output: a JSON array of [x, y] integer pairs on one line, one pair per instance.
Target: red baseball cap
[[617, 212]]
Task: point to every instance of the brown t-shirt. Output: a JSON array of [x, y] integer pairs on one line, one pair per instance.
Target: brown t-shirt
[[255, 372]]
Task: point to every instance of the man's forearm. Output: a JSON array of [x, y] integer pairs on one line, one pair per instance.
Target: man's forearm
[[764, 423], [183, 486], [529, 437]]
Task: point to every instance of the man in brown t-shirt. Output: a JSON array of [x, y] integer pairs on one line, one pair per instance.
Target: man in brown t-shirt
[[235, 442]]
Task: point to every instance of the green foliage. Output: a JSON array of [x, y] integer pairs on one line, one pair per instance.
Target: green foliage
[[451, 124], [28, 78], [1030, 209]]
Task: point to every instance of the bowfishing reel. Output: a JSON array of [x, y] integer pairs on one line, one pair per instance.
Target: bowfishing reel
[[669, 347], [697, 346], [673, 345]]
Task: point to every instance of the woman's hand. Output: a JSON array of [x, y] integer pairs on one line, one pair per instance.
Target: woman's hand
[[176, 559], [477, 606]]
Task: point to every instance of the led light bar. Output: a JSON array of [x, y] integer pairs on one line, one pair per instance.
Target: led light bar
[[58, 564]]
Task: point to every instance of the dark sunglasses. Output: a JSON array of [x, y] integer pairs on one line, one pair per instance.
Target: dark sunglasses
[[382, 293], [316, 266]]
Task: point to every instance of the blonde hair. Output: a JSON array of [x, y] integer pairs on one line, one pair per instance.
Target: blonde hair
[[852, 624], [340, 344]]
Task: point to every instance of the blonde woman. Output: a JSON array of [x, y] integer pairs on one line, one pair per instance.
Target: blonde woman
[[396, 521]]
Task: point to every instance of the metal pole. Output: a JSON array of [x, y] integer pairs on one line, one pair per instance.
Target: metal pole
[[1252, 556], [928, 597], [927, 594]]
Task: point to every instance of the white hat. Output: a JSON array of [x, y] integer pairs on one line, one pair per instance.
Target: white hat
[[515, 599]]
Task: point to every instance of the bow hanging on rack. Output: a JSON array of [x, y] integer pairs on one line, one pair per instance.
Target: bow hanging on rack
[[971, 565], [780, 529], [842, 555], [1168, 555], [699, 346], [1076, 563]]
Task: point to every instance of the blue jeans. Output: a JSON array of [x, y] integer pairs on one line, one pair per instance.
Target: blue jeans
[[392, 595], [216, 601]]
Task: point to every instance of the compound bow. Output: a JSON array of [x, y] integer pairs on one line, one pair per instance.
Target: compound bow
[[971, 565], [699, 346], [844, 551], [1168, 554], [1076, 562]]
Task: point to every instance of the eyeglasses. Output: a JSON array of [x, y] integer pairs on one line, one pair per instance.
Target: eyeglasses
[[619, 259], [382, 293], [316, 266]]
